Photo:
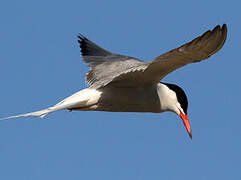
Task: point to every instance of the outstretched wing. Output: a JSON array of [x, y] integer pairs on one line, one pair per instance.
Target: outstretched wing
[[104, 65], [111, 68], [197, 50]]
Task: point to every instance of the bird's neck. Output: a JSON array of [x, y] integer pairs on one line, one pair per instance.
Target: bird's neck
[[167, 97]]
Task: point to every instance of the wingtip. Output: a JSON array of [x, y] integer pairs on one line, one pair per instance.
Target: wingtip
[[81, 36], [216, 28], [82, 40], [224, 26], [224, 29]]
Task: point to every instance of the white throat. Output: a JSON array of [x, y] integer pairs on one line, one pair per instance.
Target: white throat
[[168, 99]]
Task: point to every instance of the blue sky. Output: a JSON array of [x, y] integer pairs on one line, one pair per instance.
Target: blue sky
[[40, 65]]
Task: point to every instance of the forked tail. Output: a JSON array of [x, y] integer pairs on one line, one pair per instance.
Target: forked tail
[[84, 98]]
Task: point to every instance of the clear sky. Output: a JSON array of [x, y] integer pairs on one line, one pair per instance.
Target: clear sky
[[40, 65]]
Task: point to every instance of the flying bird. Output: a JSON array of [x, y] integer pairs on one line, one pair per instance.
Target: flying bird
[[119, 83]]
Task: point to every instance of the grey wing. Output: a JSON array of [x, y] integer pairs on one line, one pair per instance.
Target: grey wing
[[197, 50], [112, 71], [104, 65], [109, 68]]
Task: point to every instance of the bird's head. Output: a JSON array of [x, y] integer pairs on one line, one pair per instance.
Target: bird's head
[[174, 99]]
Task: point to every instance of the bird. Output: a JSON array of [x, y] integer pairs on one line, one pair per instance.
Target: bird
[[120, 83]]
